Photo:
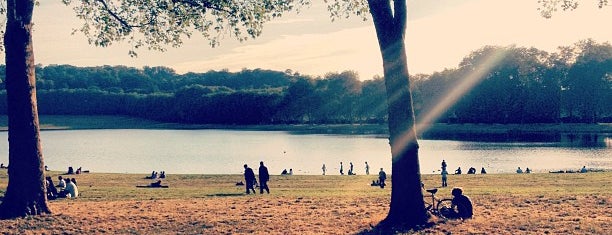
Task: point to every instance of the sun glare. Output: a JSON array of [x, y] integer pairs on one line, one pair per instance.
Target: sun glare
[[466, 84]]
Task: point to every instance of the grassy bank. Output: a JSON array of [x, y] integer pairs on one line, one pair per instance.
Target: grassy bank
[[213, 204], [439, 130]]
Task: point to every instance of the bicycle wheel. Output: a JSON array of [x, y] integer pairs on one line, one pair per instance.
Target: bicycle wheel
[[445, 208]]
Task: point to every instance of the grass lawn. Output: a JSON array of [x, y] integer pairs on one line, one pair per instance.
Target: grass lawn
[[212, 204]]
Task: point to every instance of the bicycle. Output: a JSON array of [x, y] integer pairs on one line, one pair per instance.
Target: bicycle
[[439, 207]]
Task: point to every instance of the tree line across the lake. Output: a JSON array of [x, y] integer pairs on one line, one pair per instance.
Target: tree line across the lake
[[524, 85]]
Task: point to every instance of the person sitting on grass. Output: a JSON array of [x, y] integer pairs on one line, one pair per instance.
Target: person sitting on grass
[[61, 184], [71, 190], [461, 205], [51, 189]]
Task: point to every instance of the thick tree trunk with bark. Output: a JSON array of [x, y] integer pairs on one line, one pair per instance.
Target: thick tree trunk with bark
[[407, 206], [25, 194]]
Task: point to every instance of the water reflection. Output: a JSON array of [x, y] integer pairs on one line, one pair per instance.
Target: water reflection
[[595, 140]]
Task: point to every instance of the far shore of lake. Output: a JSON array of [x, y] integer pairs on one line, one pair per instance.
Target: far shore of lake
[[541, 131]]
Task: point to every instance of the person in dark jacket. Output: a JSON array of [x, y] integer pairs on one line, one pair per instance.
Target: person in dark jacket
[[461, 205], [249, 177], [263, 178]]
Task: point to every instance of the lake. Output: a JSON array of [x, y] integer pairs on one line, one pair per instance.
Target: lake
[[225, 151]]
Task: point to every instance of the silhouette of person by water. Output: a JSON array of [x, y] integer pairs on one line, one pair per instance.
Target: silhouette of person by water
[[323, 168], [341, 169], [519, 170], [367, 168], [263, 178], [472, 170], [483, 171], [382, 176], [443, 164], [249, 178], [444, 177], [351, 168], [458, 171], [284, 172]]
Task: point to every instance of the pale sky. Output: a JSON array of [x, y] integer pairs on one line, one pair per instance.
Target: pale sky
[[439, 34]]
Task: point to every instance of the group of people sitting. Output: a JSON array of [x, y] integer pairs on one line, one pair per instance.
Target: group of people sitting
[[66, 188], [471, 171], [287, 173], [520, 171], [72, 171], [157, 175]]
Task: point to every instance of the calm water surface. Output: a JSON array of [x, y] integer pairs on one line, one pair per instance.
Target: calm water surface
[[225, 151]]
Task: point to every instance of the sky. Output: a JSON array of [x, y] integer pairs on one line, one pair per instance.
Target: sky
[[440, 33]]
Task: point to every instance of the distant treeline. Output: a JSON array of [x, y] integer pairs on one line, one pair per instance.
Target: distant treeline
[[491, 85]]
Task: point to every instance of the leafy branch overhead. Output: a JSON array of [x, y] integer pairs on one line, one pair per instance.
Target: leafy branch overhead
[[157, 23], [548, 7]]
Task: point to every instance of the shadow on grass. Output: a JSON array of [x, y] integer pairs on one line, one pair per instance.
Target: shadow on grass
[[386, 227], [225, 195]]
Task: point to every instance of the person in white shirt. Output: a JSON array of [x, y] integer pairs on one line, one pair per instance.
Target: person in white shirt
[[71, 189], [61, 184]]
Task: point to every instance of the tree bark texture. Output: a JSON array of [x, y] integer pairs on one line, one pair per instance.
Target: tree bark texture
[[25, 194], [407, 206]]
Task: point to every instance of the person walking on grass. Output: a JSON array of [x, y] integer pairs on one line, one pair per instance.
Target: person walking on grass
[[263, 178], [249, 178]]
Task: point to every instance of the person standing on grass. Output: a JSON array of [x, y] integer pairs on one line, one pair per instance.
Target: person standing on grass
[[382, 176], [324, 168], [263, 178], [444, 175], [249, 178], [367, 168], [341, 169]]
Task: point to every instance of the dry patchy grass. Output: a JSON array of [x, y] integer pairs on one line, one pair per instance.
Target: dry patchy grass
[[212, 204]]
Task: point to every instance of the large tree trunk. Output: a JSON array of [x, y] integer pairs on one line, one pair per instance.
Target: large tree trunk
[[25, 194], [407, 206]]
